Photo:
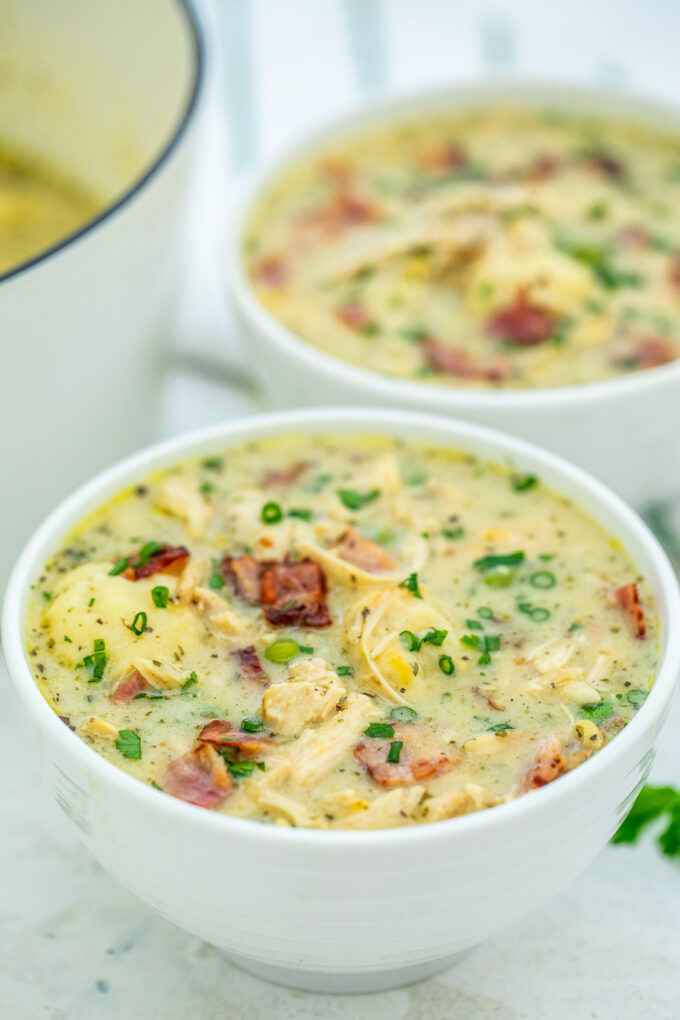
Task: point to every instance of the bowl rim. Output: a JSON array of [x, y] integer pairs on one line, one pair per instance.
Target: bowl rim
[[440, 431], [138, 184], [402, 106]]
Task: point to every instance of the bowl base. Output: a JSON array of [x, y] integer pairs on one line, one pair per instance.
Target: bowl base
[[353, 983]]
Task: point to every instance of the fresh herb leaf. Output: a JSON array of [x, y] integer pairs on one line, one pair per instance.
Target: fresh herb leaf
[[190, 681], [251, 725], [492, 562], [307, 649], [654, 802], [522, 483], [119, 567], [598, 712], [434, 637], [635, 697], [216, 581], [402, 713], [129, 744], [345, 671], [95, 664], [242, 768]]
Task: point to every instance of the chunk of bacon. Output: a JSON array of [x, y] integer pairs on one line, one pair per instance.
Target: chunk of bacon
[[222, 734], [285, 476], [522, 324], [271, 270], [353, 315], [200, 777], [441, 158], [345, 209], [251, 667], [454, 361], [356, 549], [548, 765], [243, 574], [629, 600], [420, 757], [170, 559], [542, 167], [652, 351], [294, 594], [129, 688], [606, 164]]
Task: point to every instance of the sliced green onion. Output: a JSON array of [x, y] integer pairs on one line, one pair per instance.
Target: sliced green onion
[[148, 551], [453, 533], [402, 713], [345, 671], [539, 614], [282, 650], [251, 725], [522, 483], [446, 665], [190, 681], [138, 625], [271, 513], [216, 580], [491, 562], [636, 698], [242, 768], [307, 649], [542, 579], [410, 641], [474, 625], [379, 729], [120, 566], [434, 637], [354, 500], [160, 596], [300, 513], [394, 752], [212, 463], [485, 612]]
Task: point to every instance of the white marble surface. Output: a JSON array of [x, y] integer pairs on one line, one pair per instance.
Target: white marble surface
[[73, 943]]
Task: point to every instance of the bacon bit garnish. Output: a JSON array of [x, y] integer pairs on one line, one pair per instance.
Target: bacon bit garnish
[[356, 549], [419, 758], [344, 209], [199, 777], [651, 351], [548, 764], [606, 164], [454, 361], [271, 270], [170, 559], [542, 167], [522, 324], [353, 315], [243, 574], [294, 594], [129, 688], [442, 158], [629, 600], [222, 734], [284, 476], [250, 664]]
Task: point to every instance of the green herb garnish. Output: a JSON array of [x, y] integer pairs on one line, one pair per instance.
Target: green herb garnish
[[654, 802], [271, 513], [379, 729], [160, 596], [598, 712], [356, 500], [216, 581], [502, 560], [345, 671], [434, 637], [411, 584], [410, 641], [129, 744], [138, 625], [242, 768], [522, 483], [636, 698], [394, 752], [307, 649], [446, 665], [402, 713], [543, 579], [119, 567], [282, 650], [251, 725], [300, 513], [453, 533], [95, 664], [190, 681]]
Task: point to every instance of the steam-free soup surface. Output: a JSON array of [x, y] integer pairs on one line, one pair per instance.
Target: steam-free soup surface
[[38, 207], [342, 633], [498, 247]]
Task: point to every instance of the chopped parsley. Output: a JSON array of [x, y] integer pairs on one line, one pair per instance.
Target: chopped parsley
[[598, 712], [522, 483], [402, 713], [129, 744], [434, 636], [95, 664], [216, 580], [411, 584]]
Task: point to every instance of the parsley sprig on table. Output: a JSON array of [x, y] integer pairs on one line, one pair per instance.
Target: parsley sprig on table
[[654, 802]]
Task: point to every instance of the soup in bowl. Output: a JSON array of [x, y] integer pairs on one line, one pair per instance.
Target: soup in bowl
[[507, 254], [307, 652]]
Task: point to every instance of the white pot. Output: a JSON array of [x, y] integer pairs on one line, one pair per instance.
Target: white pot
[[626, 430], [108, 93], [346, 911]]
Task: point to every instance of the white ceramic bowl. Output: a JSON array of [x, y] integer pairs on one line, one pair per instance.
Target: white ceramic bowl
[[108, 93], [345, 911], [625, 430]]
